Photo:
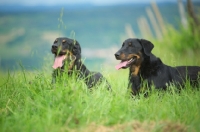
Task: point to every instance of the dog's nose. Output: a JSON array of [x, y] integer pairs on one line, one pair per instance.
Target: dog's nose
[[54, 46], [117, 55]]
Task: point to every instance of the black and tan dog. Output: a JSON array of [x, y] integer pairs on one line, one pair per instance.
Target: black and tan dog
[[68, 58], [144, 66]]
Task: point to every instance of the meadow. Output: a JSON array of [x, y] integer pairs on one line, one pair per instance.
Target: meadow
[[29, 102]]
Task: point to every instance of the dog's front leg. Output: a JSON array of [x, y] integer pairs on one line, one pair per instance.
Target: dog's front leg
[[134, 84], [54, 74]]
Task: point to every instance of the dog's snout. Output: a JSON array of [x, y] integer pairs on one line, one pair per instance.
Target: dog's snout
[[117, 55], [54, 46]]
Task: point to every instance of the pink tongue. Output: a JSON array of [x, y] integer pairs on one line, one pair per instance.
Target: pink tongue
[[58, 62], [120, 65]]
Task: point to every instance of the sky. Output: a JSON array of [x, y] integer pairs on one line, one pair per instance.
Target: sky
[[58, 2]]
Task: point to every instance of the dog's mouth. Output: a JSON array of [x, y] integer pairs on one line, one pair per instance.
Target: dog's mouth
[[61, 58], [126, 63], [59, 61]]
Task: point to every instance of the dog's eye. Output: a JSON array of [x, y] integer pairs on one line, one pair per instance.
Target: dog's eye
[[64, 41], [122, 44], [74, 50], [56, 41]]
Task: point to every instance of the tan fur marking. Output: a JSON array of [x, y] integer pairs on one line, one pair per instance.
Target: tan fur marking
[[132, 55], [64, 41], [68, 55], [136, 67], [71, 65], [67, 52], [135, 70], [122, 56]]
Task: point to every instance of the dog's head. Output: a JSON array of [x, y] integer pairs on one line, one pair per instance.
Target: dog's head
[[132, 52], [66, 51]]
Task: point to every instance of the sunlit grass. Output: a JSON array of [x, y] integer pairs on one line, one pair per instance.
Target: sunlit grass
[[29, 102], [34, 104]]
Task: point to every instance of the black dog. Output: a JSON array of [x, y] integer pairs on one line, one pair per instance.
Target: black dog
[[136, 54], [68, 58]]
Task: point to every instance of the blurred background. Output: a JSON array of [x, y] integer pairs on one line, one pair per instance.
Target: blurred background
[[28, 29]]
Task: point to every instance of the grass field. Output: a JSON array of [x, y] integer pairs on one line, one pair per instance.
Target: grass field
[[28, 102]]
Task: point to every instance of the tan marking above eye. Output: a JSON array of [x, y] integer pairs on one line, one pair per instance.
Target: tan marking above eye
[[64, 41], [56, 40], [130, 44]]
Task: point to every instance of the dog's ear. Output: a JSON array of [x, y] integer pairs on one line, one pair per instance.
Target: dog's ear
[[76, 49], [147, 46]]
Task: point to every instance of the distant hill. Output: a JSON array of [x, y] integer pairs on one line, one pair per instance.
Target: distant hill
[[27, 33]]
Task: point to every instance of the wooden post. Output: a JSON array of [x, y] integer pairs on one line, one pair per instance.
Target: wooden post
[[159, 17], [154, 23], [140, 25], [191, 12], [182, 14], [146, 27], [129, 31]]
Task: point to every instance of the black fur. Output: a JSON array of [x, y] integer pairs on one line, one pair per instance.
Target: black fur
[[147, 67], [71, 48]]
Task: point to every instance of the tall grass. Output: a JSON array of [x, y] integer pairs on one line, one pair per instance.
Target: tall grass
[[29, 102], [37, 105], [178, 46]]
